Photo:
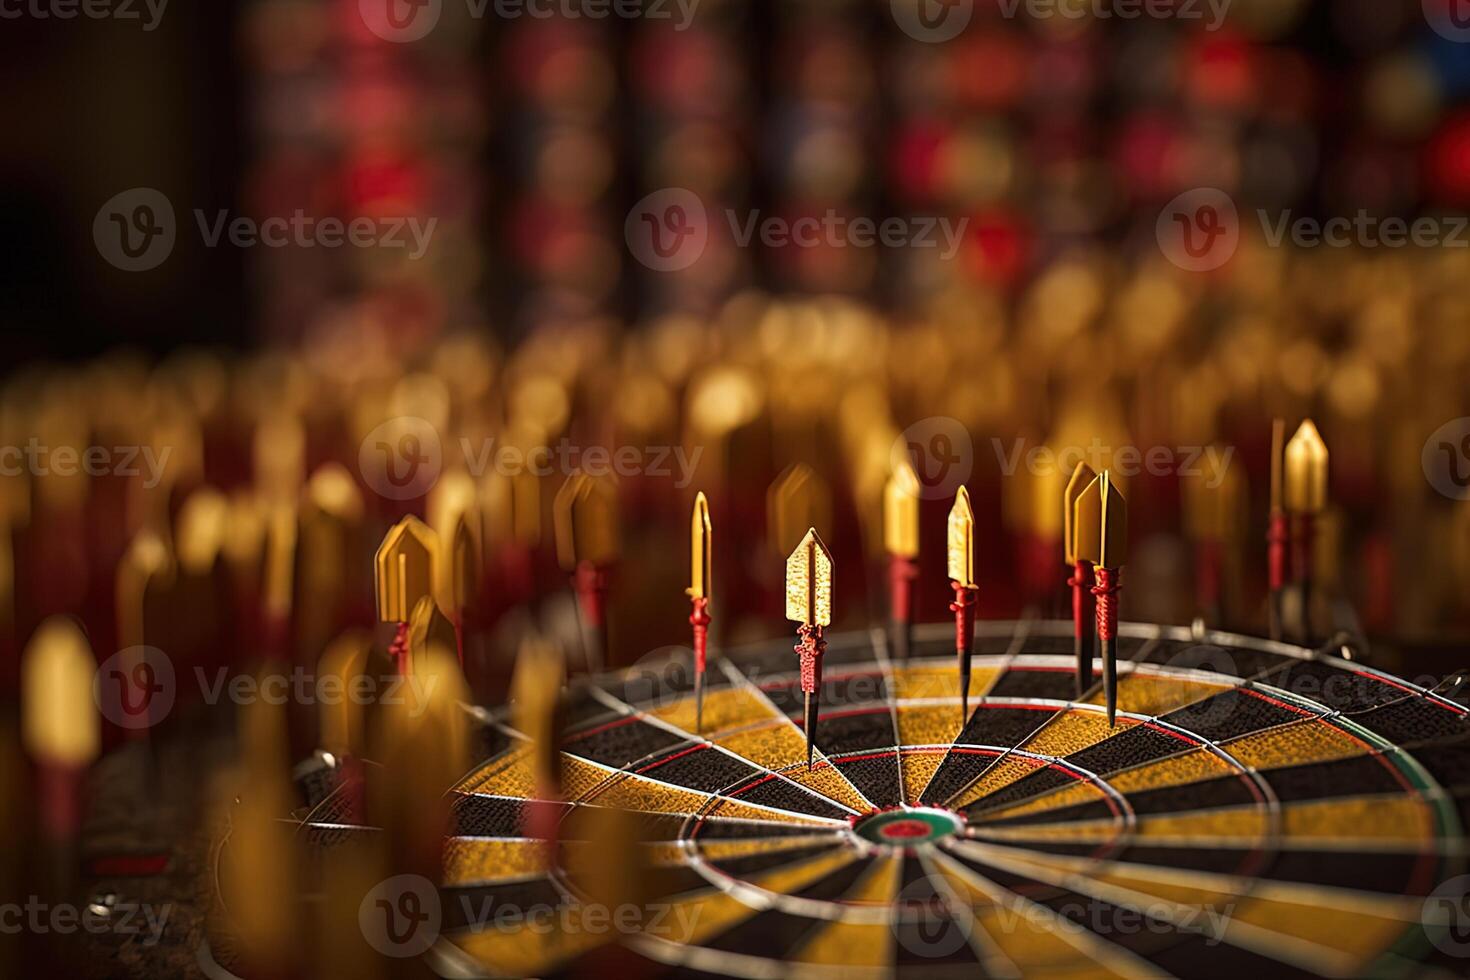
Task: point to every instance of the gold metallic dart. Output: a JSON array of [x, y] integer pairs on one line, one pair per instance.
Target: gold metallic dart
[[960, 551], [901, 542], [700, 540], [1081, 580], [585, 514], [1102, 538], [809, 603], [404, 576], [1306, 498]]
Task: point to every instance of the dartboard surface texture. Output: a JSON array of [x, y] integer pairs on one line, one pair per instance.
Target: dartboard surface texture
[[1258, 809]]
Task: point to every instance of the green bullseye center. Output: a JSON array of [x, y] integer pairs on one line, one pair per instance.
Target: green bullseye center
[[902, 828]]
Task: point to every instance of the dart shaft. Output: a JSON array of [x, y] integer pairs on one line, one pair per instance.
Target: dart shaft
[[901, 575], [1277, 535], [963, 608], [810, 650], [1082, 622], [1106, 591]]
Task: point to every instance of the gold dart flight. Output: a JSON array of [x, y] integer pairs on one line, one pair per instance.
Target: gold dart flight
[[1081, 580], [809, 603], [1102, 538], [961, 555], [901, 542]]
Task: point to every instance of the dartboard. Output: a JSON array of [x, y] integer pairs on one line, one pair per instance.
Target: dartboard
[[1258, 809]]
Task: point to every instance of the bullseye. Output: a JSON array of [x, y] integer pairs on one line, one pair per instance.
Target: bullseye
[[906, 827]]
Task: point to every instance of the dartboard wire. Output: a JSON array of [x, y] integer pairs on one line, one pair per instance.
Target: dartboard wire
[[737, 676], [1409, 910], [1258, 939], [1010, 657], [625, 773], [993, 960], [628, 711], [1089, 944], [1262, 849], [613, 701], [1019, 635], [885, 665]]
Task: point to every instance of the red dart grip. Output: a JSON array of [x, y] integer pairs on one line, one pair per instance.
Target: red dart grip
[[699, 619], [1106, 591], [963, 608], [1277, 536], [901, 574], [810, 649]]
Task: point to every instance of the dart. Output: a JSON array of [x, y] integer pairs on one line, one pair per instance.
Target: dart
[[1306, 498], [454, 513], [536, 696], [1102, 538], [60, 725], [1277, 531], [404, 578], [585, 516], [961, 552], [1082, 579], [699, 593], [901, 542], [809, 603]]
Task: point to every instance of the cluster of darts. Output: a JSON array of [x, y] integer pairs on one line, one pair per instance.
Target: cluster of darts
[[501, 577]]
